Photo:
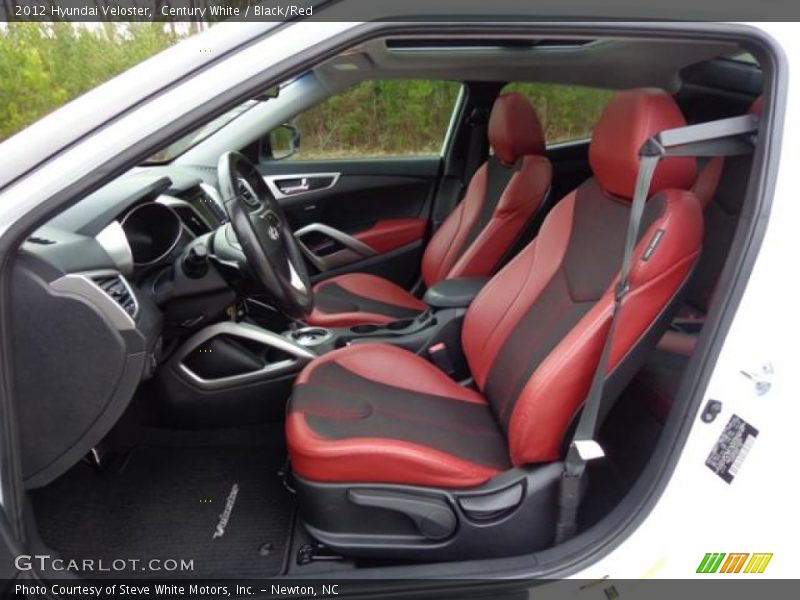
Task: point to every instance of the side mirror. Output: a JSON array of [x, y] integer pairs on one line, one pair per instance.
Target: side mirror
[[284, 141]]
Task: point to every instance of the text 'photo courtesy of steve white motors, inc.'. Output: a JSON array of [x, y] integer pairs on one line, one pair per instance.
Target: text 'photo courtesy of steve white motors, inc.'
[[78, 591]]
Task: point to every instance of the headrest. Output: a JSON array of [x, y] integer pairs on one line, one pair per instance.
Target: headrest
[[514, 128], [755, 107], [627, 122]]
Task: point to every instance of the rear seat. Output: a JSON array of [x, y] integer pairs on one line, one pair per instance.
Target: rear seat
[[720, 187]]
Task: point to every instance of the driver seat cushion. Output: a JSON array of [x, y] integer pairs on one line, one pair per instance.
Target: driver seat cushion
[[357, 298], [374, 412], [503, 196]]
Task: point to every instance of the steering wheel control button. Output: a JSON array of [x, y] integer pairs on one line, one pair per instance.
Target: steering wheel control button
[[247, 193], [273, 225]]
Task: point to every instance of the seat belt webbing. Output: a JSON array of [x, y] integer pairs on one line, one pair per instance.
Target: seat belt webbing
[[583, 447], [453, 188], [718, 138]]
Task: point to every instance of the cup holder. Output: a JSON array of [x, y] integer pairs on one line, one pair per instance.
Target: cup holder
[[397, 325], [365, 328], [393, 326], [310, 336]]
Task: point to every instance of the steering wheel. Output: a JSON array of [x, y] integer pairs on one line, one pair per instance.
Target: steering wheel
[[264, 234]]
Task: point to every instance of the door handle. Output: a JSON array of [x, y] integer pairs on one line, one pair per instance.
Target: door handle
[[288, 186], [303, 186]]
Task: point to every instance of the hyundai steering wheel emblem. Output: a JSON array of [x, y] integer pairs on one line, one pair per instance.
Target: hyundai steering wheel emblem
[[273, 225]]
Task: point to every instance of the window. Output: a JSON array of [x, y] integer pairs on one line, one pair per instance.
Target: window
[[198, 135], [378, 118], [567, 112], [745, 57]]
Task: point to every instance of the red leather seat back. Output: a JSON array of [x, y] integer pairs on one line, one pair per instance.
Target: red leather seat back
[[480, 231], [534, 334]]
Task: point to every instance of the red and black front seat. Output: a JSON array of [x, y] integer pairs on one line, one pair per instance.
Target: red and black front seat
[[393, 458], [503, 196]]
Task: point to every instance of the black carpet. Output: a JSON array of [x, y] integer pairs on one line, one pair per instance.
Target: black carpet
[[167, 503]]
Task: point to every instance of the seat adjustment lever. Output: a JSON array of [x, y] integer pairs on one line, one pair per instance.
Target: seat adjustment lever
[[433, 517]]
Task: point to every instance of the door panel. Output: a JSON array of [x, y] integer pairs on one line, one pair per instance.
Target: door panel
[[367, 215], [328, 248], [389, 234]]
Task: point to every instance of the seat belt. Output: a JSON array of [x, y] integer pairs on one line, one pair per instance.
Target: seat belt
[[725, 137], [476, 150]]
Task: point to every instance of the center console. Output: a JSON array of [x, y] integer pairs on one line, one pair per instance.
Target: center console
[[436, 333], [230, 372], [408, 333]]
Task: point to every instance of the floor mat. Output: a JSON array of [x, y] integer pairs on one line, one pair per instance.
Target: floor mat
[[224, 508]]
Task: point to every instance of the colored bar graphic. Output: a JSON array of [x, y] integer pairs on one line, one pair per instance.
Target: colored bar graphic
[[740, 564], [710, 562], [717, 563], [734, 560], [713, 562], [765, 562], [702, 565], [758, 563]]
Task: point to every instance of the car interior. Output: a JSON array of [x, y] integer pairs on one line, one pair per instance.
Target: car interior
[[299, 365]]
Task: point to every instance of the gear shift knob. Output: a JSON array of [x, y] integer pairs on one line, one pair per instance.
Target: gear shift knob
[[195, 261]]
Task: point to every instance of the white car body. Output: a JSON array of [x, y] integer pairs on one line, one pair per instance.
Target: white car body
[[699, 512]]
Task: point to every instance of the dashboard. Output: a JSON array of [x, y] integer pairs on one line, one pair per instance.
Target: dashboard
[[152, 208], [94, 292]]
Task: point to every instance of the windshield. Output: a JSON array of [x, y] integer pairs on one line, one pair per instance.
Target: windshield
[[198, 135]]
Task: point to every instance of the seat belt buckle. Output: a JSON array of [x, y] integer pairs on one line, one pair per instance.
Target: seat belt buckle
[[588, 449], [570, 492], [440, 356]]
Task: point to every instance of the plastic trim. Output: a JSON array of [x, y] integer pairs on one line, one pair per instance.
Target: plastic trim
[[85, 286], [249, 332], [354, 249], [115, 243]]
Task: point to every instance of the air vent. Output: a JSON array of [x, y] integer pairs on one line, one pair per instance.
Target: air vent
[[116, 287], [202, 201], [216, 210], [35, 239], [191, 219]]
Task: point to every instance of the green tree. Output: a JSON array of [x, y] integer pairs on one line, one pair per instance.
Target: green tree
[[397, 117], [379, 118], [44, 65], [567, 112]]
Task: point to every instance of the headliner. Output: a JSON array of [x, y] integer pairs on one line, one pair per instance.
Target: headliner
[[606, 63]]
